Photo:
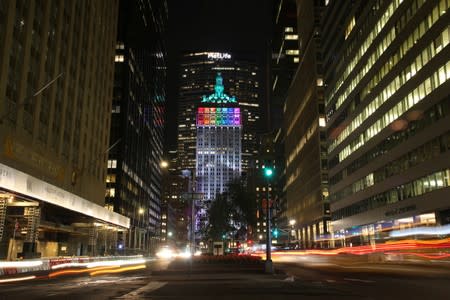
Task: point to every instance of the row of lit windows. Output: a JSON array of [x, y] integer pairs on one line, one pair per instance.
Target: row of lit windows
[[295, 152], [425, 152], [423, 58], [415, 96], [419, 31], [416, 124], [355, 187], [302, 142], [367, 43], [423, 185], [383, 45]]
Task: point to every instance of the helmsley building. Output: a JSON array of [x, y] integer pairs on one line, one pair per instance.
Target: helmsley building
[[56, 85]]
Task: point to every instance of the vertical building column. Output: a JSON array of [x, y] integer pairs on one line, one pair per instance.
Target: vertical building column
[[92, 243], [114, 240], [33, 216], [3, 206]]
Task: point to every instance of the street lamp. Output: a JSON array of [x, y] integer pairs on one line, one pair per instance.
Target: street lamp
[[268, 172]]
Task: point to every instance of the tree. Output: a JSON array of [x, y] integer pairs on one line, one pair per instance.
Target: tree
[[232, 212], [219, 213], [244, 202]]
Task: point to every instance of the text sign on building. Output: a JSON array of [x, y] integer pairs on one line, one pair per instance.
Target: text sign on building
[[218, 55], [218, 116]]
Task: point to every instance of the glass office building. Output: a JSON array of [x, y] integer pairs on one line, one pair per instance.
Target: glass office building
[[388, 123]]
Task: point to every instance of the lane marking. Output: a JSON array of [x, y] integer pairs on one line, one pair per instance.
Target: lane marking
[[359, 280], [152, 286]]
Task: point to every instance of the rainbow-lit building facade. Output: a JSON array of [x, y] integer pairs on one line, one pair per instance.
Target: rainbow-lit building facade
[[219, 134]]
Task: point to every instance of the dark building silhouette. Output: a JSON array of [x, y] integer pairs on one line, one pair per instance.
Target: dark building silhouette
[[134, 175], [305, 141]]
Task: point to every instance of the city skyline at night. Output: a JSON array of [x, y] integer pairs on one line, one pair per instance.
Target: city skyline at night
[[165, 149]]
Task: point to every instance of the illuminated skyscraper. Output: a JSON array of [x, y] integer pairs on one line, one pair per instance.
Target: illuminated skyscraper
[[219, 133], [388, 116], [242, 77]]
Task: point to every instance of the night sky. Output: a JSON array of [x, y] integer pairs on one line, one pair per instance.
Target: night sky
[[214, 25]]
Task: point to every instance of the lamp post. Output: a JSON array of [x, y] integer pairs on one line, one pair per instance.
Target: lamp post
[[268, 172]]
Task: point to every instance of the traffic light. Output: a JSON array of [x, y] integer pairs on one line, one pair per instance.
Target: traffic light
[[268, 172], [275, 232]]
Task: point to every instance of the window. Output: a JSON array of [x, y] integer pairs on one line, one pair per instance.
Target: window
[[291, 36], [112, 163], [292, 52], [322, 122], [110, 192]]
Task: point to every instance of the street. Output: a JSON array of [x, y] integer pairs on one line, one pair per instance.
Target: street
[[182, 279]]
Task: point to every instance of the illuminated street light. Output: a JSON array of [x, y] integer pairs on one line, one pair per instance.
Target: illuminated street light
[[141, 211], [292, 222], [169, 234], [164, 164]]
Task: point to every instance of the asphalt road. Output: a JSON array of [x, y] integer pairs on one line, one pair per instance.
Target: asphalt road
[[293, 280]]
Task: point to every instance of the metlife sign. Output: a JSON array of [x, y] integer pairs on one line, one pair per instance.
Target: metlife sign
[[218, 55]]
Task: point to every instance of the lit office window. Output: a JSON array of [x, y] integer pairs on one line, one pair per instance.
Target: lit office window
[[292, 52], [291, 37], [112, 163], [110, 192], [322, 122], [350, 27]]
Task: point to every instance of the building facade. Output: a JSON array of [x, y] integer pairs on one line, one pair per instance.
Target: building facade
[[284, 61], [305, 142], [219, 133], [242, 77], [54, 128], [134, 179], [387, 105]]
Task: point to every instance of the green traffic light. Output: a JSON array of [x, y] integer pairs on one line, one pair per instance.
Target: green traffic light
[[275, 233], [268, 172]]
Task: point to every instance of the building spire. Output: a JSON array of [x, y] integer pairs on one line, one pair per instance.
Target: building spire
[[219, 96]]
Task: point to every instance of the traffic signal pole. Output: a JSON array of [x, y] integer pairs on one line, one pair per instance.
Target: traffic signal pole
[[268, 264]]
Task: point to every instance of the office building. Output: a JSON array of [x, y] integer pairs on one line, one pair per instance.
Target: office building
[[54, 128], [305, 141], [284, 61], [134, 179], [241, 75], [387, 106]]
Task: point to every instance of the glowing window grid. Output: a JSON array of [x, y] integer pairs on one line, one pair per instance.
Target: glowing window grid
[[218, 116]]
